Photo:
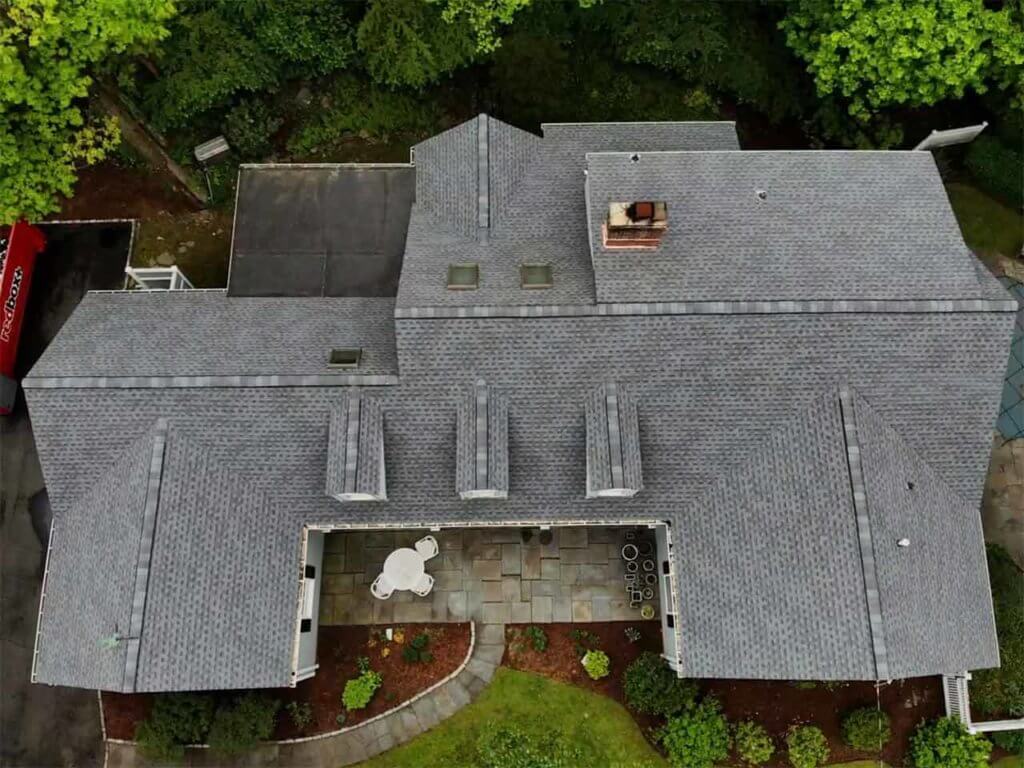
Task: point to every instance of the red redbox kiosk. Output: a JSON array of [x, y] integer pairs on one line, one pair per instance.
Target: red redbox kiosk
[[19, 245]]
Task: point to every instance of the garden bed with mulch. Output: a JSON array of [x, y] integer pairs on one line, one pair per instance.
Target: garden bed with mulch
[[338, 650]]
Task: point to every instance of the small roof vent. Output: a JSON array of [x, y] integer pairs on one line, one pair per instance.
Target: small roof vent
[[344, 358], [613, 443]]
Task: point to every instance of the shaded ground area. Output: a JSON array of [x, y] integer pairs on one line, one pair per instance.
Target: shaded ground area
[[77, 258], [338, 649], [778, 705], [1002, 510], [198, 243], [108, 191]]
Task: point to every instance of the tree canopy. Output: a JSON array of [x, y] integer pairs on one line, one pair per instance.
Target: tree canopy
[[47, 48]]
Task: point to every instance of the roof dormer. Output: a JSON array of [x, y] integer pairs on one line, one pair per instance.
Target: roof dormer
[[481, 467], [613, 443], [355, 450]]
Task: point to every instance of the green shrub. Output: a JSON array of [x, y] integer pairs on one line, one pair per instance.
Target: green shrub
[[416, 650], [597, 664], [242, 725], [249, 127], [1011, 741], [508, 746], [866, 729], [538, 638], [698, 738], [753, 744], [1000, 692], [807, 746], [997, 168], [583, 641], [301, 713], [652, 687], [359, 690], [177, 719], [945, 743]]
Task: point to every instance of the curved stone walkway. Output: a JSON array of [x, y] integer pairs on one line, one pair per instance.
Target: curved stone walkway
[[365, 740]]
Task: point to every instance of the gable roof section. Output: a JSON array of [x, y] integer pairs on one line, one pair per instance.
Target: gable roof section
[[837, 225], [135, 567]]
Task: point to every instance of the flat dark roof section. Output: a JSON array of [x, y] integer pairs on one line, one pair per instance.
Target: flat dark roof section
[[320, 230]]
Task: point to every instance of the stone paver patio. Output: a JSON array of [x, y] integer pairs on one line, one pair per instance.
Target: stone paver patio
[[486, 574]]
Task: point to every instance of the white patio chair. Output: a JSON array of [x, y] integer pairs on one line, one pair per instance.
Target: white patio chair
[[424, 585], [381, 588], [427, 547]]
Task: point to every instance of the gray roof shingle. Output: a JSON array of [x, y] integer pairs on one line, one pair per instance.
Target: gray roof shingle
[[355, 449], [481, 464]]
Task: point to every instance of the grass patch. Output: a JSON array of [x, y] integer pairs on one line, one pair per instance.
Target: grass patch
[[1009, 762], [537, 705], [990, 228]]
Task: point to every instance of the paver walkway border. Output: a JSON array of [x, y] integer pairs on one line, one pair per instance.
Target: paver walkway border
[[371, 737]]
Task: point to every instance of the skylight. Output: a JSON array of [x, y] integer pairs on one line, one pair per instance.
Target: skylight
[[345, 358], [463, 277], [635, 224], [535, 276]]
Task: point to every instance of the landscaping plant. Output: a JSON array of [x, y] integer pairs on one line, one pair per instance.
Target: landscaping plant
[[242, 725], [946, 743], [1000, 692], [359, 690], [583, 641], [538, 638], [698, 738], [597, 664], [807, 746], [753, 744], [633, 634], [416, 651], [866, 729], [301, 714], [177, 719], [508, 746], [652, 687], [1011, 741]]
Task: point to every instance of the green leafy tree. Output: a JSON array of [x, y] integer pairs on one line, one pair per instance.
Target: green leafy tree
[[945, 743], [47, 51], [698, 738], [909, 53], [483, 17], [408, 43]]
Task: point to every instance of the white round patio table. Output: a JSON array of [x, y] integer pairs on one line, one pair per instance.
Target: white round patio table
[[403, 568]]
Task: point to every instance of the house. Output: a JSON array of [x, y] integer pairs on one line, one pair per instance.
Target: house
[[787, 363]]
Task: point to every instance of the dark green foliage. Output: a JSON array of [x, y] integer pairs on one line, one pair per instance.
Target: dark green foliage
[[538, 638], [408, 44], [1000, 692], [806, 746], [753, 744], [583, 641], [301, 713], [177, 719], [698, 738], [249, 126], [998, 168], [508, 746], [866, 729], [945, 743], [242, 725], [416, 651], [651, 687], [1011, 741], [363, 664]]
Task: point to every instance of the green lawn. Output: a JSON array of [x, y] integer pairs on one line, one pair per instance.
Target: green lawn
[[1010, 762], [537, 705], [990, 228]]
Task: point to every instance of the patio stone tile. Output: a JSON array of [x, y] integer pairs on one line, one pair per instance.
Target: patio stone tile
[[426, 712], [382, 539], [374, 557], [525, 593], [619, 609], [446, 705], [334, 562], [337, 584], [326, 609], [511, 560], [572, 537], [598, 552], [600, 534], [505, 535], [474, 605], [439, 606], [383, 611], [551, 549], [601, 608], [490, 591], [489, 653], [592, 574], [362, 610], [521, 613], [407, 613], [354, 554], [531, 568], [575, 556], [582, 610], [458, 692], [354, 751], [457, 606], [497, 613], [490, 634], [561, 609], [334, 542], [541, 609], [450, 560], [569, 574], [450, 581], [343, 610], [481, 668], [544, 588], [549, 569], [410, 721], [449, 539], [487, 569], [385, 742], [475, 684], [511, 592]]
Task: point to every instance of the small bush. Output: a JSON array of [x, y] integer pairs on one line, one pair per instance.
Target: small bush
[[866, 729], [538, 638], [301, 714], [698, 738], [1011, 741], [652, 687], [249, 127], [359, 690], [753, 744], [508, 746], [583, 641], [177, 719], [996, 168], [597, 664], [807, 746], [945, 743], [633, 634], [416, 651], [242, 725]]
